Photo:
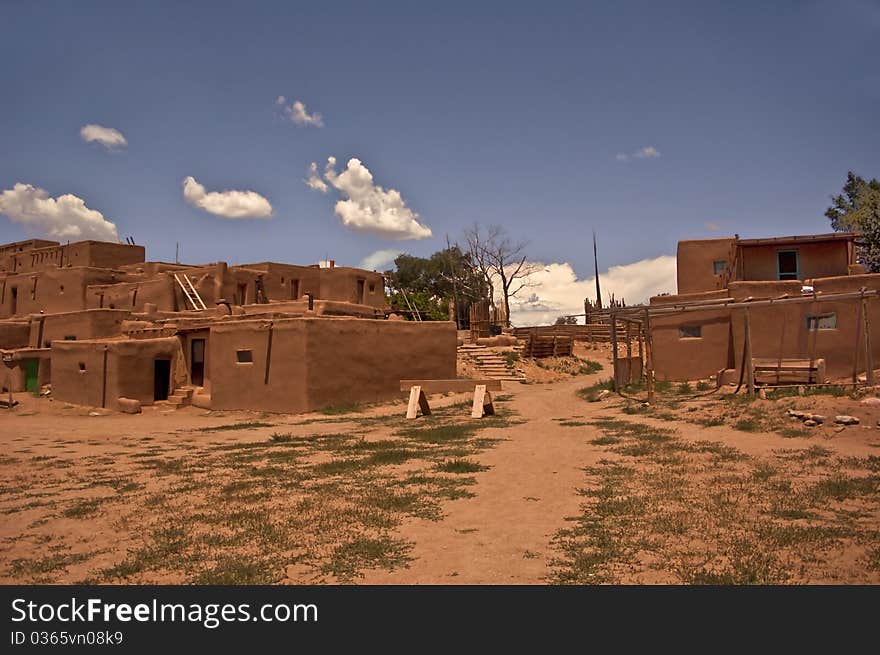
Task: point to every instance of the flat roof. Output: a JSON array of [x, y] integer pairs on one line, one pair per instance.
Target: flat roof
[[807, 238]]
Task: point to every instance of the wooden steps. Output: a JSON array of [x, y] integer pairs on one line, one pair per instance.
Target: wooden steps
[[491, 364]]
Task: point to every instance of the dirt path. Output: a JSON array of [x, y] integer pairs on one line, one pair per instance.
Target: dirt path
[[502, 535]]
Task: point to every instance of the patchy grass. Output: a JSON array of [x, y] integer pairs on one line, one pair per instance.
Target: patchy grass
[[335, 409], [247, 425], [702, 512], [460, 466]]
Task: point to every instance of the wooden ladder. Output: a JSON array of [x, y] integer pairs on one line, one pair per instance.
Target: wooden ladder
[[191, 294]]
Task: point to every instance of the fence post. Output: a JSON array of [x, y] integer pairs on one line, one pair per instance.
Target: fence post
[[747, 347], [869, 356], [614, 350], [649, 357]]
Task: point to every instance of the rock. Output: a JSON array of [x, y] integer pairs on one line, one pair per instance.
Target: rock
[[602, 395], [796, 414], [128, 405], [844, 419], [839, 428], [810, 423], [818, 418], [871, 401]]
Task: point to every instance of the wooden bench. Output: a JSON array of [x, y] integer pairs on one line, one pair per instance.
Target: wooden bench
[[774, 371], [418, 390]]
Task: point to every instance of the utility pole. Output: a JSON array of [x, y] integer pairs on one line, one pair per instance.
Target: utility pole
[[596, 266]]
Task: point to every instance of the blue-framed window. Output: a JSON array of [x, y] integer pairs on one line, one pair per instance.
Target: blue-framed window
[[718, 266], [788, 265]]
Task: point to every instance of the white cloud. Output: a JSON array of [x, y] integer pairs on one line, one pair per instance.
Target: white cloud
[[314, 181], [368, 207], [380, 260], [297, 113], [555, 290], [648, 152], [63, 218], [108, 137], [228, 204], [712, 227]]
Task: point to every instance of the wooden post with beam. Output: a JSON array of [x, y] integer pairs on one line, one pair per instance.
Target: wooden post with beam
[[614, 355], [649, 356], [869, 356], [747, 352]]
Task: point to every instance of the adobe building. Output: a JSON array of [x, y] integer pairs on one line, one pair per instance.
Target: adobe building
[[801, 296], [106, 328]]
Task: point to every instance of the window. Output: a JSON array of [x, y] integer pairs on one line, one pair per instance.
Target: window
[[718, 266], [822, 322], [690, 332], [787, 265], [70, 337], [372, 287], [244, 356], [82, 366]]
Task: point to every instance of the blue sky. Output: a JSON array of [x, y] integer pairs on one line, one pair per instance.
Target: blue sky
[[490, 112]]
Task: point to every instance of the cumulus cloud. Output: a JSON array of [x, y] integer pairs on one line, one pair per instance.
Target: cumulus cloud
[[63, 218], [314, 181], [648, 152], [367, 207], [110, 138], [555, 290], [380, 260], [296, 112], [228, 204]]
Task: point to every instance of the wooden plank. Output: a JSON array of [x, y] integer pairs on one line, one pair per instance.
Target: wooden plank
[[417, 400], [446, 386], [482, 405]]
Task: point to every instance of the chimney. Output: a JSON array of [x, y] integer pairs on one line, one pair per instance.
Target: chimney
[[332, 263]]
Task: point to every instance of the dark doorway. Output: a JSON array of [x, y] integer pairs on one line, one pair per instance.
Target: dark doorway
[[242, 293], [360, 292], [14, 308], [161, 379], [197, 362], [294, 289]]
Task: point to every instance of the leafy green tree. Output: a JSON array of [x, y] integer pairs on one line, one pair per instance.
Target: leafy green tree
[[857, 210], [566, 320], [429, 284]]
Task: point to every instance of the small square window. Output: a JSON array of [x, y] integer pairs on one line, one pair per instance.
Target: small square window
[[822, 322], [82, 366], [244, 356], [690, 332], [372, 287], [718, 266]]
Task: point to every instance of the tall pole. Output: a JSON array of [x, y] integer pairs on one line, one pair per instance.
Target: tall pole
[[596, 266]]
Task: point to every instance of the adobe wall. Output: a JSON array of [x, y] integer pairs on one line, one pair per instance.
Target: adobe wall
[[689, 358], [85, 324], [159, 291], [129, 370], [764, 290], [288, 281], [817, 259], [94, 254], [695, 260], [14, 334], [51, 291], [17, 376], [341, 283], [315, 362], [352, 360], [242, 385]]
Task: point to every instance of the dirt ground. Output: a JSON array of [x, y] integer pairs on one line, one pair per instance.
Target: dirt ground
[[696, 488]]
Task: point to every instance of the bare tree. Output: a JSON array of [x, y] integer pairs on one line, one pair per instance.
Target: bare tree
[[501, 261]]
